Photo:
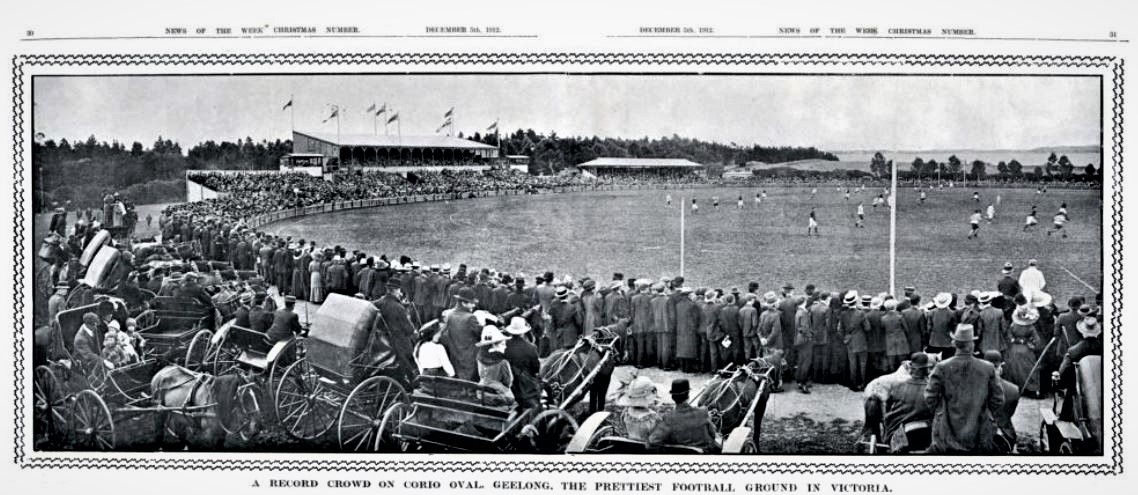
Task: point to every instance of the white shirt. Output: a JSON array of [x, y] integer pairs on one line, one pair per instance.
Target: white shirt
[[975, 218], [434, 355], [860, 210], [1031, 280]]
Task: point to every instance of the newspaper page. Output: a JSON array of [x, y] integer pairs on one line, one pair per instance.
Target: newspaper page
[[575, 247]]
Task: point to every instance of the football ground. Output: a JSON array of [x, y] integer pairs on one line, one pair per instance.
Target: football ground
[[635, 233]]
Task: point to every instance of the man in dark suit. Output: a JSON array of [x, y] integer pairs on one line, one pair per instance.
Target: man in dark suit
[[965, 395], [395, 321], [915, 325], [241, 316], [786, 311], [853, 328], [524, 363], [460, 334], [686, 425], [260, 319], [286, 323]]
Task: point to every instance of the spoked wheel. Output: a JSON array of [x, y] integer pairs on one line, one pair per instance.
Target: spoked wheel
[[551, 431], [595, 427], [50, 415], [740, 441], [246, 419], [391, 423], [358, 428], [221, 358], [285, 358], [302, 403], [92, 427], [198, 350], [45, 286]]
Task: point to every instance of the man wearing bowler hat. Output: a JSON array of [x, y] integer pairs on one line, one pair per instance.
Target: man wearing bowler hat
[[686, 425], [966, 396], [461, 332]]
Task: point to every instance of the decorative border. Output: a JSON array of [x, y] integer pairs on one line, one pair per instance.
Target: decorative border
[[565, 465]]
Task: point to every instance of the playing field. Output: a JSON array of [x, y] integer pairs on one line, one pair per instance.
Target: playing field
[[633, 232]]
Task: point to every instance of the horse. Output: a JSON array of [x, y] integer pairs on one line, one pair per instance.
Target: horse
[[205, 402], [729, 394], [567, 369]]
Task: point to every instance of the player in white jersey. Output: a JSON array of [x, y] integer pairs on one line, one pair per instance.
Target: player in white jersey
[[991, 213], [860, 215], [757, 200], [975, 221], [1032, 219], [976, 196], [739, 205], [813, 192], [879, 200], [668, 198], [1057, 224], [715, 202], [764, 194], [813, 224], [923, 196], [1063, 210], [694, 206]]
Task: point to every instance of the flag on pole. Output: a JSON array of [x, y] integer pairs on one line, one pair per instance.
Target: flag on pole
[[371, 108], [335, 113], [382, 110], [493, 127], [286, 105], [445, 125], [394, 117], [449, 112]]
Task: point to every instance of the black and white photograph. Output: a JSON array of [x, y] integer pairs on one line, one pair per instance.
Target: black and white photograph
[[640, 263]]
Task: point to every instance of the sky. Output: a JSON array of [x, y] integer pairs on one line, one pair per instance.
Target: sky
[[829, 112]]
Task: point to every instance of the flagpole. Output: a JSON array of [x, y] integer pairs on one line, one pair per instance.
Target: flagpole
[[683, 205], [893, 234], [292, 112], [385, 133]]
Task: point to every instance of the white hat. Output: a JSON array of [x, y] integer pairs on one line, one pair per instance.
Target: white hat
[[942, 300], [518, 326], [491, 335]]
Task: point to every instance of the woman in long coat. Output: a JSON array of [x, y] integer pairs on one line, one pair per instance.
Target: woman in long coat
[[687, 331], [301, 275], [316, 278], [1022, 350]]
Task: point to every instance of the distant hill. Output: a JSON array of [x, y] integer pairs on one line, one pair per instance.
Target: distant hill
[[810, 165], [1089, 148]]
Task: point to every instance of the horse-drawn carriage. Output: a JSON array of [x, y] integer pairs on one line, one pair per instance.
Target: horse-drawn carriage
[[1074, 423], [735, 398], [451, 414], [91, 406], [176, 327], [345, 375]]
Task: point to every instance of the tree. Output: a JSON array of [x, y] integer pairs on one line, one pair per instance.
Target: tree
[[1052, 164], [954, 165], [1002, 168], [1090, 172], [1066, 167], [1038, 172], [136, 149], [1015, 168], [877, 165], [918, 167], [931, 167], [979, 169]]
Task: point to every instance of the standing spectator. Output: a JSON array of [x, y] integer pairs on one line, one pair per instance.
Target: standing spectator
[[749, 327], [1008, 285], [804, 345], [916, 328], [688, 336], [592, 306], [821, 322], [642, 325], [965, 395], [1011, 399], [992, 326], [461, 332], [659, 304], [896, 336], [1022, 350], [853, 327], [941, 322], [712, 333], [770, 337], [875, 339], [1031, 280], [786, 310], [566, 320]]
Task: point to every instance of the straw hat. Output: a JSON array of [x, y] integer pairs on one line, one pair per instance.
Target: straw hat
[[1025, 315], [942, 300], [640, 393], [964, 333], [518, 326], [491, 335], [1040, 299], [1089, 327], [851, 298]]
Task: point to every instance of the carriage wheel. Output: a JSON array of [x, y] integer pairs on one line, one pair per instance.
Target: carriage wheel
[[50, 419], [740, 441], [302, 405], [220, 358], [286, 357], [92, 427], [198, 350], [80, 295], [551, 431], [593, 429], [393, 419], [247, 417], [358, 427]]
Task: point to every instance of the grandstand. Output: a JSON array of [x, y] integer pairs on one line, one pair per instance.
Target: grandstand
[[394, 153], [609, 166]]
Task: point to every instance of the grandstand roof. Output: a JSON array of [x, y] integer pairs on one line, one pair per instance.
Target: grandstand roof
[[394, 141], [610, 162]]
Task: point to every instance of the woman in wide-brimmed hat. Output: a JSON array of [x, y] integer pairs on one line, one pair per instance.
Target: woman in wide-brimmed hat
[[493, 369], [1024, 344], [638, 400]]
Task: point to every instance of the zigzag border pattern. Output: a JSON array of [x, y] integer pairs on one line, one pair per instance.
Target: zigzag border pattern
[[568, 465]]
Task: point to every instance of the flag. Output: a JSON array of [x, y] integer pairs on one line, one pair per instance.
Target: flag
[[445, 124], [335, 113], [394, 117], [734, 145], [371, 108], [382, 110], [493, 127], [449, 112], [286, 105]]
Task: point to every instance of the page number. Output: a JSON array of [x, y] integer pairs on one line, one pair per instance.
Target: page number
[[1112, 34], [31, 33]]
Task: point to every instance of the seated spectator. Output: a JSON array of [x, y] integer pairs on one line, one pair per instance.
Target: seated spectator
[[638, 416], [686, 425], [493, 369]]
